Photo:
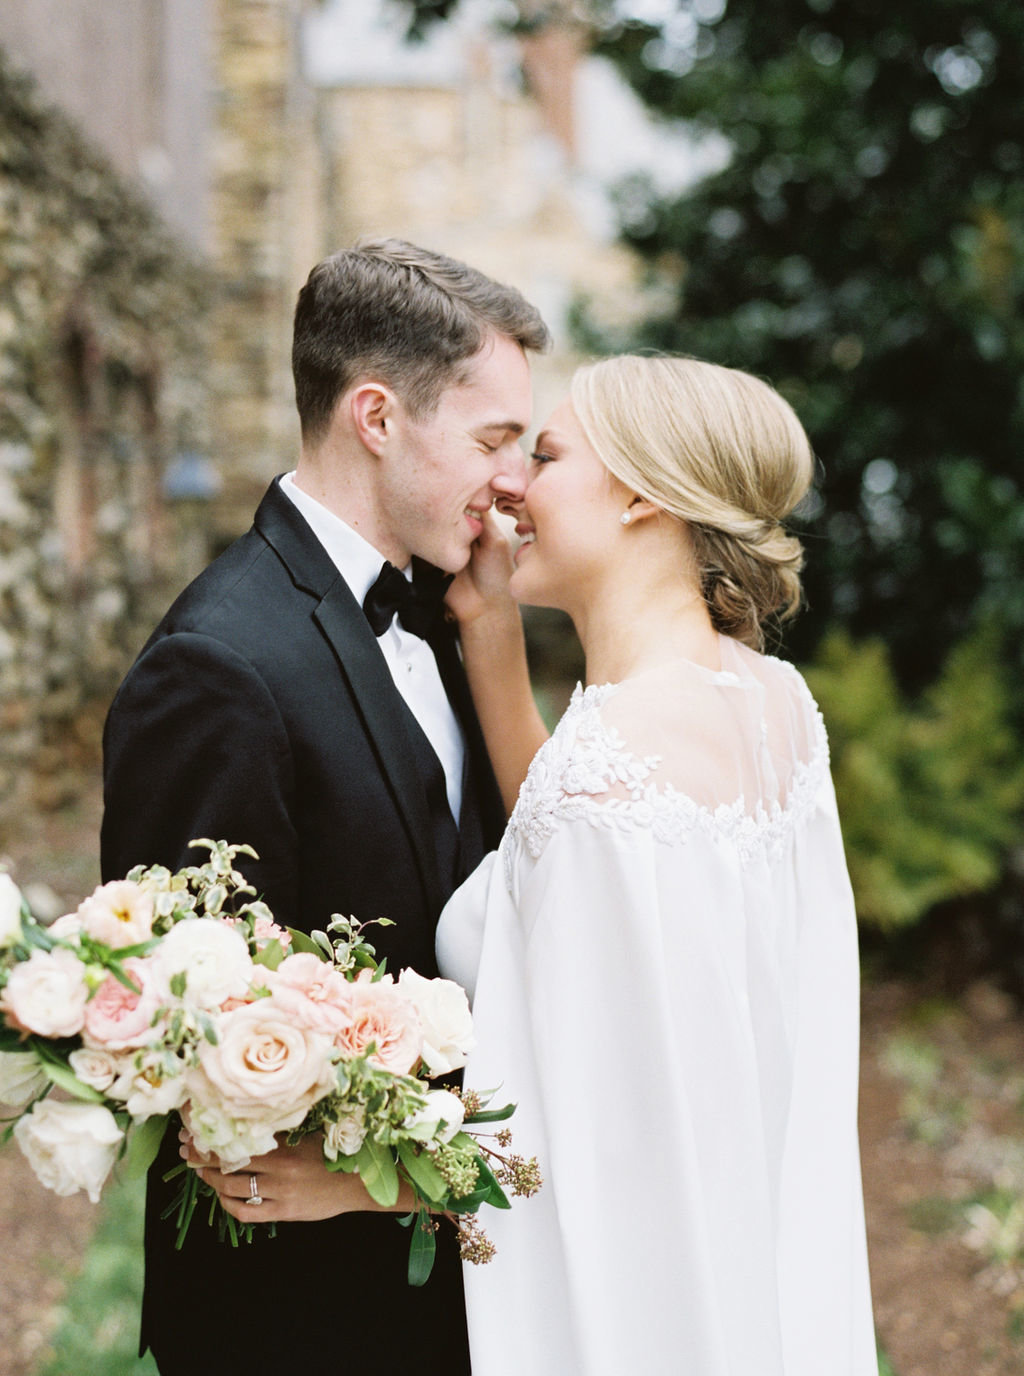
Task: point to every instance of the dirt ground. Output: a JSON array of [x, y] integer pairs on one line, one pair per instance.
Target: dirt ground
[[942, 1129]]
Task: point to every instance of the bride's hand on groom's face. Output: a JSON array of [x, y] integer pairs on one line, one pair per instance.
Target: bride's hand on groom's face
[[293, 1184], [482, 586]]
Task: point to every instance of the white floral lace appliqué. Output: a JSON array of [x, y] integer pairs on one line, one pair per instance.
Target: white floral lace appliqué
[[584, 758]]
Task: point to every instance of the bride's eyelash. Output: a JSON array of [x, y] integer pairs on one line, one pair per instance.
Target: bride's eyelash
[[540, 457]]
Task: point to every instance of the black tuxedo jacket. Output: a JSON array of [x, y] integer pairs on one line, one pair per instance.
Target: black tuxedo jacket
[[261, 710]]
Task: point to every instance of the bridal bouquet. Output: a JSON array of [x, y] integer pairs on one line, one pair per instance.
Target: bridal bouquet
[[179, 993]]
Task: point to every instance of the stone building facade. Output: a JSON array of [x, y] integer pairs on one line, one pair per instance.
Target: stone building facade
[[146, 293], [102, 359]]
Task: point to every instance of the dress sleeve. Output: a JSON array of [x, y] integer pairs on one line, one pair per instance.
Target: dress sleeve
[[658, 1020], [194, 746]]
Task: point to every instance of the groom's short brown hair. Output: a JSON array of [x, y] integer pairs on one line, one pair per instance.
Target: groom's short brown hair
[[403, 315]]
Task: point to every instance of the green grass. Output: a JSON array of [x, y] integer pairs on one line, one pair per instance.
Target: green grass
[[99, 1330], [884, 1367]]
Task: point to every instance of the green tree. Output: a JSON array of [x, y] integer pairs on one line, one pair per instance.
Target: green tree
[[864, 249]]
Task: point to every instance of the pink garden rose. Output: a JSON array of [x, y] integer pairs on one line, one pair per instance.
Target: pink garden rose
[[318, 995], [384, 1017], [47, 994], [117, 1017], [119, 913]]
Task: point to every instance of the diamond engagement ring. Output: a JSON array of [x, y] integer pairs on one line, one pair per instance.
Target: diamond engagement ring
[[254, 1195]]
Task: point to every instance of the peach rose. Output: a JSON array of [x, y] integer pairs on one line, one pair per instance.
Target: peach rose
[[384, 1018], [264, 1066]]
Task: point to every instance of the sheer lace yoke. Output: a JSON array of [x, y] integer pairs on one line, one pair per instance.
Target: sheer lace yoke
[[738, 753]]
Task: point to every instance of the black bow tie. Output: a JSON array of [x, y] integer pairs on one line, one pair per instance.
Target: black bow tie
[[419, 604]]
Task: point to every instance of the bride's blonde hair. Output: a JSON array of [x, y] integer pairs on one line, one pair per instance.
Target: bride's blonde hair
[[719, 450]]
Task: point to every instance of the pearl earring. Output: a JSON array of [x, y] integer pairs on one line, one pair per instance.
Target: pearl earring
[[624, 518]]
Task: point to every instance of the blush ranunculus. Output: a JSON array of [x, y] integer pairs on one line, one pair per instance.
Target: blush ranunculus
[[382, 1017]]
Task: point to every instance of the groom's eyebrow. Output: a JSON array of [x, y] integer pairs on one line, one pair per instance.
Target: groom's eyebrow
[[505, 427]]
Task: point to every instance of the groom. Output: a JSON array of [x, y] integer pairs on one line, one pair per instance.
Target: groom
[[282, 702]]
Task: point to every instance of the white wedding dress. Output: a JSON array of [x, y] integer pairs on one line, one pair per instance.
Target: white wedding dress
[[662, 958]]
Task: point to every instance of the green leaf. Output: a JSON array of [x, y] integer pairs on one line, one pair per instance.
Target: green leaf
[[492, 1115], [495, 1195], [421, 1170], [422, 1247], [378, 1172], [143, 1145], [270, 956], [303, 944], [60, 1075]]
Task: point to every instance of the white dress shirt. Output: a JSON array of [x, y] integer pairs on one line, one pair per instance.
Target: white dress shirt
[[410, 659]]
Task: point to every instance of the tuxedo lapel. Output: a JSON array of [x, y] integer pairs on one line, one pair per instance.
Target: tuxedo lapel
[[342, 621], [362, 667]]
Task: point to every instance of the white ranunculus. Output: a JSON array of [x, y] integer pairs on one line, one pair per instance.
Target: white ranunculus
[[10, 911], [446, 1020], [234, 1141], [47, 993], [70, 1146], [212, 956], [21, 1077], [442, 1108], [148, 1089]]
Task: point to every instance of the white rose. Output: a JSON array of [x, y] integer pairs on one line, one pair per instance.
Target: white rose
[[440, 1120], [70, 1146], [447, 1022], [212, 957], [95, 1068], [344, 1137], [10, 911], [47, 993], [21, 1077]]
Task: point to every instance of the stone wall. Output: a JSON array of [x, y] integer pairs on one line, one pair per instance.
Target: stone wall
[[102, 367]]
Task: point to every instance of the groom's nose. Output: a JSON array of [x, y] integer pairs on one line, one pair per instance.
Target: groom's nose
[[509, 483]]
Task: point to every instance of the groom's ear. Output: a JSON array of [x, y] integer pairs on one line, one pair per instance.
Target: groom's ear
[[372, 410]]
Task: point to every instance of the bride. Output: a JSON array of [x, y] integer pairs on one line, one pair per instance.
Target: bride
[[663, 954]]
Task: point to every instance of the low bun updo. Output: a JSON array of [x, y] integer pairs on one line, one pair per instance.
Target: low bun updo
[[721, 451]]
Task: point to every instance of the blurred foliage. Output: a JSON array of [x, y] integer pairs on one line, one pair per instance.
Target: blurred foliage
[[931, 792], [863, 249]]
